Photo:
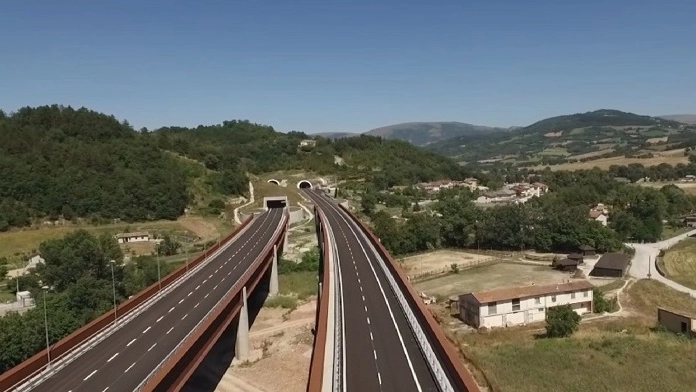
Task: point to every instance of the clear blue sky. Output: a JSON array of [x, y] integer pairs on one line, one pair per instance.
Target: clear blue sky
[[320, 66]]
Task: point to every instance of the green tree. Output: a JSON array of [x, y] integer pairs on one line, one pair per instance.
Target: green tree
[[3, 271], [168, 246], [561, 321], [367, 203]]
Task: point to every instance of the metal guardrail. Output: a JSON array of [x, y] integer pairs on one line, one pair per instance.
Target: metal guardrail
[[339, 326], [207, 316], [438, 372]]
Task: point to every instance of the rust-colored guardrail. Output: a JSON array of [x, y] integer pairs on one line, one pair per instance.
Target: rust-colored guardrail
[[463, 379], [316, 368], [180, 366], [37, 362]]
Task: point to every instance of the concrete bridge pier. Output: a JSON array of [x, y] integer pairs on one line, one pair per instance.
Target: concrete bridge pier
[[273, 286], [242, 344]]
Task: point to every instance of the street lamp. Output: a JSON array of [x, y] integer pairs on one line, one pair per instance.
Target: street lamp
[[48, 346], [113, 286]]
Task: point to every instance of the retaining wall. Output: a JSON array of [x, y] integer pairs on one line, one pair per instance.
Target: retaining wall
[[297, 215], [34, 364]]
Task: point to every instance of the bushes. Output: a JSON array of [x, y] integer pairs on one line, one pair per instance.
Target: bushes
[[603, 304], [561, 321]]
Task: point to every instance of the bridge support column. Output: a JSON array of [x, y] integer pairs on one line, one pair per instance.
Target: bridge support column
[[273, 287], [242, 344], [286, 244]]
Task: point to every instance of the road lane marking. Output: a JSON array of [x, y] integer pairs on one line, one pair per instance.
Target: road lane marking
[[206, 296], [223, 279], [215, 286], [184, 316], [170, 310], [90, 375], [375, 353], [197, 287], [112, 357], [189, 294], [205, 280], [211, 275], [371, 337], [131, 342], [365, 308], [196, 305], [130, 367], [159, 319], [228, 274], [105, 389], [151, 347], [170, 330], [180, 301], [147, 329], [368, 320]]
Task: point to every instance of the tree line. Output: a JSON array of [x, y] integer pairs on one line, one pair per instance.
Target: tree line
[[555, 222], [77, 274]]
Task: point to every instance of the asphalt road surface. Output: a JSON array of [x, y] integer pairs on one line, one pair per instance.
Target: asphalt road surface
[[123, 360], [381, 353]]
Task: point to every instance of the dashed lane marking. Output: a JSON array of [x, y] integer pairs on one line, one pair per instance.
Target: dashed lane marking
[[147, 329], [180, 301], [184, 316], [90, 375], [131, 342], [151, 347], [170, 330], [130, 367], [196, 305], [171, 310], [112, 357], [159, 319], [197, 287]]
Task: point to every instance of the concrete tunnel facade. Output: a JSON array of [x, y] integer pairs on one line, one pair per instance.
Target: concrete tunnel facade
[[274, 181], [304, 184]]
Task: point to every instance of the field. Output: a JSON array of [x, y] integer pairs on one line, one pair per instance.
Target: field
[[440, 260], [680, 262], [27, 241], [688, 187], [607, 354], [605, 163], [489, 277]]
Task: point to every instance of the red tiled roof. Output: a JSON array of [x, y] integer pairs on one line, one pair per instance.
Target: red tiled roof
[[530, 291]]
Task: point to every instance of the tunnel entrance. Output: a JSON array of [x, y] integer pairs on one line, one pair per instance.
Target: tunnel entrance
[[274, 181], [275, 202], [304, 184]]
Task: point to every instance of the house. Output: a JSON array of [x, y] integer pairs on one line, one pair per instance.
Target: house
[[676, 322], [308, 143], [611, 265], [34, 261], [599, 216], [566, 265], [576, 257], [587, 250], [140, 236], [24, 298], [522, 305], [689, 221]]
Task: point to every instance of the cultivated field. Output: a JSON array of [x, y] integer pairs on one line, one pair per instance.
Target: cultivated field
[[440, 261], [605, 163], [680, 262], [621, 353], [490, 277]]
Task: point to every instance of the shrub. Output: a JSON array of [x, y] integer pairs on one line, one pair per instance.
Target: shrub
[[602, 304], [561, 321]]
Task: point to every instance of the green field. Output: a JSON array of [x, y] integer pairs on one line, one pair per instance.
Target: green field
[[680, 262]]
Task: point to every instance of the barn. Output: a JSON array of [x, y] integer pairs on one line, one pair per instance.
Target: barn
[[613, 265]]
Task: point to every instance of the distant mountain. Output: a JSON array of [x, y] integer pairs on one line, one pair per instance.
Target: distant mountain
[[425, 133], [682, 118], [335, 135], [571, 137]]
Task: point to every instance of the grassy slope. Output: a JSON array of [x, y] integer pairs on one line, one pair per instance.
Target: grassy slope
[[680, 263], [614, 354]]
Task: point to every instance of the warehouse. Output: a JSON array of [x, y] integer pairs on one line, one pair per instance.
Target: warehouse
[[613, 265]]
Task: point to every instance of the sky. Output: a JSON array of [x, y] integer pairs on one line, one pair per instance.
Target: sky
[[348, 66]]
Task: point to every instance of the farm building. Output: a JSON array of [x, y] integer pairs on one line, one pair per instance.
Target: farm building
[[677, 323], [133, 237], [522, 305], [566, 264], [612, 265], [587, 250]]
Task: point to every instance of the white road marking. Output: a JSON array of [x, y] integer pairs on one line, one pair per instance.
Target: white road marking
[[105, 389], [112, 357], [197, 287], [159, 319], [222, 280], [206, 296], [170, 310], [205, 280], [180, 301], [211, 275], [215, 286], [90, 375], [196, 305], [131, 342], [130, 367], [184, 316], [375, 353], [189, 294], [151, 347], [147, 329], [371, 337], [170, 330], [379, 376], [365, 308], [228, 274], [368, 320]]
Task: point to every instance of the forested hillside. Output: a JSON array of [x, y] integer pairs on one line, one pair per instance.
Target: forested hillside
[[57, 162], [60, 161]]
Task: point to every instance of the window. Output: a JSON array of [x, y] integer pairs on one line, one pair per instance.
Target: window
[[515, 304], [553, 298], [585, 293], [492, 308], [572, 295], [537, 300]]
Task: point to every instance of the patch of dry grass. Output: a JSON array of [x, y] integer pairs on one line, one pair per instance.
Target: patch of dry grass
[[680, 262], [605, 163]]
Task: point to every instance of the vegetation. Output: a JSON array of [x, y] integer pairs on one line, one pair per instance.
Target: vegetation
[[561, 321], [577, 137], [77, 272], [601, 304], [680, 263]]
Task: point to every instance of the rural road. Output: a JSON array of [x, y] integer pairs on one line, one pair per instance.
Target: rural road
[[646, 253]]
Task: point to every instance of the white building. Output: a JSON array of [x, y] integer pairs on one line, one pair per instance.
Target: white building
[[521, 305], [133, 237]]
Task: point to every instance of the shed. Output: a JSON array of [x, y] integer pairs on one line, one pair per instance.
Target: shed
[[677, 322], [611, 265], [577, 257], [587, 250], [567, 264]]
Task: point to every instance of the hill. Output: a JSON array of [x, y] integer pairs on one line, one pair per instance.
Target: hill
[[682, 118], [581, 136], [57, 161], [425, 133], [335, 135]]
